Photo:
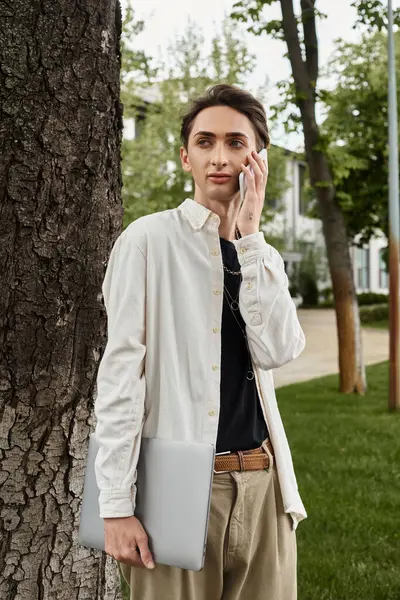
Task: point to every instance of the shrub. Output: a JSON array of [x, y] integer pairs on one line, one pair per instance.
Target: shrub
[[372, 313], [326, 304], [308, 288], [368, 298], [364, 299], [327, 295]]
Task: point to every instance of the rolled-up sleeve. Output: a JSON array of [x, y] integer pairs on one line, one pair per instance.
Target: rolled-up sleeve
[[119, 406], [273, 330]]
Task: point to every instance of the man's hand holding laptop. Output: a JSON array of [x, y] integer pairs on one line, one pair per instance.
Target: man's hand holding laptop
[[126, 540]]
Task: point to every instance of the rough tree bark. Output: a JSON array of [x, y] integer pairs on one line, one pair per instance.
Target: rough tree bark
[[60, 194], [305, 74]]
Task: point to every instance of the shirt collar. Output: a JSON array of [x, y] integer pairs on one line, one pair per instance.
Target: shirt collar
[[197, 214]]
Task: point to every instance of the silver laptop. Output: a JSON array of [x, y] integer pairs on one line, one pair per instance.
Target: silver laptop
[[174, 484]]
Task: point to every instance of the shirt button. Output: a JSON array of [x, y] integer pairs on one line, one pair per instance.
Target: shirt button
[[215, 330], [215, 367], [217, 292], [214, 252], [243, 250], [212, 413], [249, 286]]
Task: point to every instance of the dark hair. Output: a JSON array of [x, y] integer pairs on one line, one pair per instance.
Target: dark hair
[[236, 98]]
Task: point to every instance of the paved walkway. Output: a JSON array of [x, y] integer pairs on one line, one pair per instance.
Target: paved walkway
[[320, 356]]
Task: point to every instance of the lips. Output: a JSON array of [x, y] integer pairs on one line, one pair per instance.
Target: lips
[[219, 178]]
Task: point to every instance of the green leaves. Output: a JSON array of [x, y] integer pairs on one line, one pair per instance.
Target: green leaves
[[354, 135], [356, 128], [273, 28], [252, 8], [251, 12], [373, 14], [133, 62]]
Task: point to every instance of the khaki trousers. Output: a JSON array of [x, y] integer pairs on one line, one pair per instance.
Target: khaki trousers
[[250, 553]]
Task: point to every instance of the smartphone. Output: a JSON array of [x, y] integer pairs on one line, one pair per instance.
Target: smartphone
[[242, 180]]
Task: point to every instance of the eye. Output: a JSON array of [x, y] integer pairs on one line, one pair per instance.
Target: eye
[[239, 142], [200, 142]]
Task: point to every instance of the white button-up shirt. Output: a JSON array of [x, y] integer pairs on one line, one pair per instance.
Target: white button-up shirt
[[160, 372]]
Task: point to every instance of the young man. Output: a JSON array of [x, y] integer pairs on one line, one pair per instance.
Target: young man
[[199, 313]]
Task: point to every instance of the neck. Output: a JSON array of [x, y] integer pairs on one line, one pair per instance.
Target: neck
[[227, 209]]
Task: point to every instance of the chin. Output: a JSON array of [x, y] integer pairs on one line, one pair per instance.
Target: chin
[[221, 195], [216, 194]]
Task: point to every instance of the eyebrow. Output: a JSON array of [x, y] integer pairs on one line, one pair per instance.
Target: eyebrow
[[230, 134]]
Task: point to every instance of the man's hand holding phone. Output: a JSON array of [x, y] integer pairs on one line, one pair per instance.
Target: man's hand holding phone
[[126, 540], [252, 182]]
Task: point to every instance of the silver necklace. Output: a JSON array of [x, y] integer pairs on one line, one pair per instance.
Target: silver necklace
[[238, 236], [234, 306], [232, 272]]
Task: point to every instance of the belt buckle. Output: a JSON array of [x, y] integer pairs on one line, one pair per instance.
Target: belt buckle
[[220, 454]]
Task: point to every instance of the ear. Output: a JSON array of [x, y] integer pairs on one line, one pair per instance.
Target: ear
[[185, 160]]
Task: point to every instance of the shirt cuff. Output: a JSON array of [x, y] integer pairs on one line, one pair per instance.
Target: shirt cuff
[[117, 504], [253, 245]]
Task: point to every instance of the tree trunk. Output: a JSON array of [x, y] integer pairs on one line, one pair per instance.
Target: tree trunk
[[351, 365], [60, 190], [305, 74]]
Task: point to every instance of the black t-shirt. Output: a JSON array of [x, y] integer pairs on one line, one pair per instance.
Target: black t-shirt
[[241, 421]]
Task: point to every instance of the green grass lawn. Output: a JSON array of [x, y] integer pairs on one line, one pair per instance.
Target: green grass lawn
[[346, 452]]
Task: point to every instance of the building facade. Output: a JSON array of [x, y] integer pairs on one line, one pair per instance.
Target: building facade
[[370, 274], [301, 232]]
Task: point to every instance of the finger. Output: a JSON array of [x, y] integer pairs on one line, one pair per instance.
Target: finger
[[145, 553], [261, 172], [138, 564], [258, 173], [259, 163], [136, 561], [247, 169], [131, 556], [250, 179]]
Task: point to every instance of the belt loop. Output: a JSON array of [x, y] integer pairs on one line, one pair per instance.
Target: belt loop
[[241, 461], [269, 454]]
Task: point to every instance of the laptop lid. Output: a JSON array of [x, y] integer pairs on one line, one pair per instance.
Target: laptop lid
[[174, 485]]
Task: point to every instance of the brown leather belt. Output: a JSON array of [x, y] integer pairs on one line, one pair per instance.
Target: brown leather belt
[[246, 460]]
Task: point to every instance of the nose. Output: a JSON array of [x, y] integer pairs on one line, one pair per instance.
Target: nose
[[219, 158]]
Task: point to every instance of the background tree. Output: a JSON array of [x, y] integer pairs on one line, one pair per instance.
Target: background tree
[[60, 183], [152, 174], [299, 32], [356, 128], [356, 131]]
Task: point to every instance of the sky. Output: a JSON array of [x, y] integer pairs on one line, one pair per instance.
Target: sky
[[164, 19]]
